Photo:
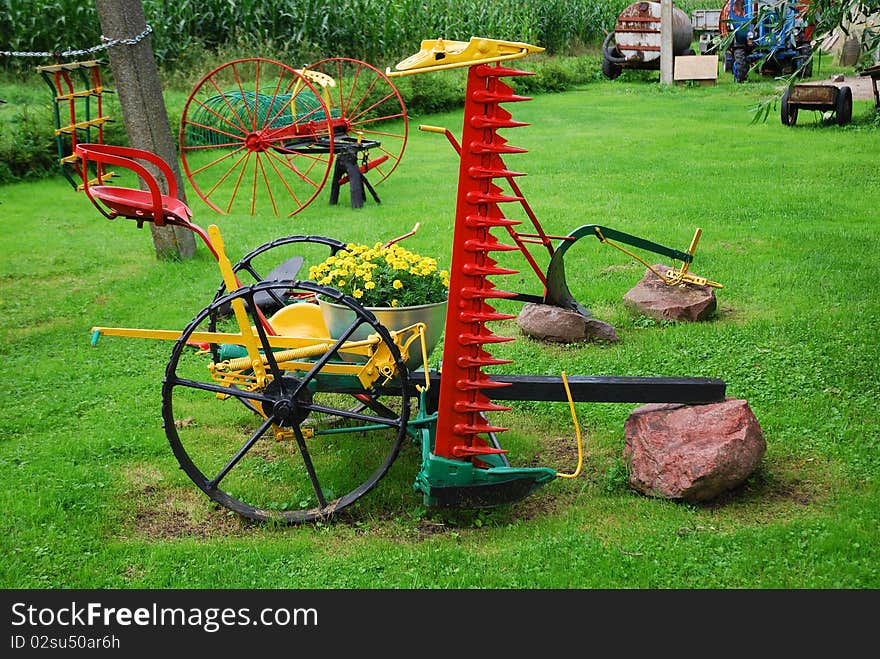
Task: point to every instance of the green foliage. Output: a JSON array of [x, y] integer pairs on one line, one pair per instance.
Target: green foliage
[[27, 144], [374, 31]]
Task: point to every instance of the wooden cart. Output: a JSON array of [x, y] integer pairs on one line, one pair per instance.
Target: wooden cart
[[874, 73], [822, 98]]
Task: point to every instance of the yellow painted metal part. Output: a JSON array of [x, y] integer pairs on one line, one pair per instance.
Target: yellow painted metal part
[[249, 338], [323, 81], [673, 276], [577, 431], [304, 319], [300, 334], [440, 54]]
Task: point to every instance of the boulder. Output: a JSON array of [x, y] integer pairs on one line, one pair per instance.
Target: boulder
[[685, 302], [552, 323], [692, 452]]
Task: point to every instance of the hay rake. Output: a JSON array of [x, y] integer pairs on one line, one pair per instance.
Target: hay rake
[[259, 136], [274, 418]]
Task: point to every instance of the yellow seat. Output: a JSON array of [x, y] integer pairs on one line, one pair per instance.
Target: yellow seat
[[302, 319]]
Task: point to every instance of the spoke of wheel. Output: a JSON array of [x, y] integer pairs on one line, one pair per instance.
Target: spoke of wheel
[[307, 459], [252, 116], [226, 156], [242, 131], [376, 406], [240, 163], [241, 126], [391, 422], [214, 482], [373, 131], [268, 353], [354, 119], [350, 111], [257, 169], [218, 389], [249, 268], [237, 182], [303, 176], [327, 355]]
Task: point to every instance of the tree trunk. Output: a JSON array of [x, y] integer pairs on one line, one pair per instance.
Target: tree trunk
[[136, 78]]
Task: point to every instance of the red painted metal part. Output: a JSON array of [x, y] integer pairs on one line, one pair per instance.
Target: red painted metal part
[[461, 421]]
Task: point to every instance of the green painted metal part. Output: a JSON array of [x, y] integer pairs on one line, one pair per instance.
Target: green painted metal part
[[235, 112], [457, 483], [558, 293]]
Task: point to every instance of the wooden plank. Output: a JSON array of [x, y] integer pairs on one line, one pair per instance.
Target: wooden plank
[[814, 94], [696, 67]]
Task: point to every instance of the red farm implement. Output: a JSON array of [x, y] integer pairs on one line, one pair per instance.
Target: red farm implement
[[259, 136], [274, 418]]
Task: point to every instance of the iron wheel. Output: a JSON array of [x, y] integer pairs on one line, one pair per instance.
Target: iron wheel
[[296, 452]]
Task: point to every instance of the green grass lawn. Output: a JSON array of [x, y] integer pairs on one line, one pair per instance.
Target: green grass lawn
[[93, 497]]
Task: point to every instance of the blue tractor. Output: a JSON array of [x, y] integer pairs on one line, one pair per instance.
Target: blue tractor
[[770, 33]]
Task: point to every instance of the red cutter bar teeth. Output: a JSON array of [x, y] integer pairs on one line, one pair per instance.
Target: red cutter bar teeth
[[462, 406]]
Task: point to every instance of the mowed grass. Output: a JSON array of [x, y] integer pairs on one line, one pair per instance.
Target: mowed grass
[[93, 497]]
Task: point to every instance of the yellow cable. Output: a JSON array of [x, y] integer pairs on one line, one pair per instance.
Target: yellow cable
[[577, 430]]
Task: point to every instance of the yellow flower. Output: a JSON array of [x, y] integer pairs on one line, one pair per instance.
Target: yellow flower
[[372, 275]]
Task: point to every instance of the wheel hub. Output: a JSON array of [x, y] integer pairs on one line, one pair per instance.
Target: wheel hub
[[256, 142], [287, 408]]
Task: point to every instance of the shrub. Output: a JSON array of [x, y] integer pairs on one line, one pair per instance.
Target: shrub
[[27, 144]]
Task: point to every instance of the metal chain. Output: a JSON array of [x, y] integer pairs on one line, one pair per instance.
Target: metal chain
[[106, 43]]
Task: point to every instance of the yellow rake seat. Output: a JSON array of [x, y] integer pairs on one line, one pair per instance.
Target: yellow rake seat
[[302, 319]]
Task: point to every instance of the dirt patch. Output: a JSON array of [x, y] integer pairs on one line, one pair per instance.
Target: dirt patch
[[164, 512], [170, 514]]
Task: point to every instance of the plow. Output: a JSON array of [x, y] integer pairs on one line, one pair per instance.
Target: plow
[[276, 417]]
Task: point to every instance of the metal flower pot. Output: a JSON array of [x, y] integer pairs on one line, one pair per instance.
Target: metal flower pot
[[338, 318]]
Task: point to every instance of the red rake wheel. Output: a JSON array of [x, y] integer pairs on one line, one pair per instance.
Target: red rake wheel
[[256, 137], [366, 104]]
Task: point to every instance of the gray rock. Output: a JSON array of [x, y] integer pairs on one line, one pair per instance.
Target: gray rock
[[692, 452], [655, 299], [551, 323]]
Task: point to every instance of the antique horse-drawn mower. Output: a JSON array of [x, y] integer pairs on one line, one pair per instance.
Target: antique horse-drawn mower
[[274, 418]]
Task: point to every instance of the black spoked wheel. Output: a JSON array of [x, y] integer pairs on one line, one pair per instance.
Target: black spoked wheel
[[844, 106], [788, 112], [740, 65], [295, 450], [282, 258]]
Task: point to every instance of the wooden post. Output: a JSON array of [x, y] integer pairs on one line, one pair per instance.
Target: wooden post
[[666, 42], [136, 78]]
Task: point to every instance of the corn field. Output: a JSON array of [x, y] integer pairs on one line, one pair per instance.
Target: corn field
[[379, 31]]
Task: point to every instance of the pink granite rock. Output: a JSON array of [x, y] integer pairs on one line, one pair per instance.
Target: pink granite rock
[[684, 302], [692, 452]]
